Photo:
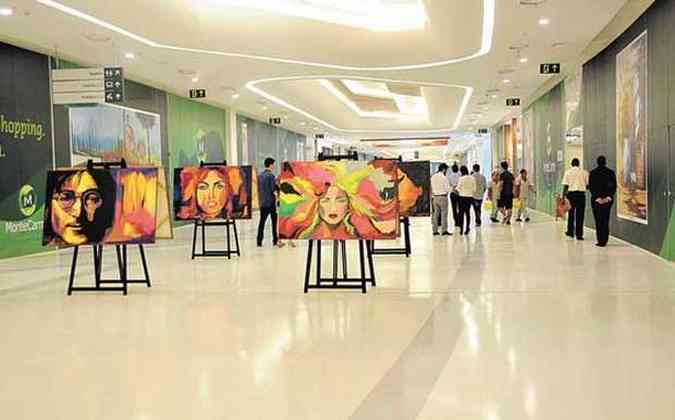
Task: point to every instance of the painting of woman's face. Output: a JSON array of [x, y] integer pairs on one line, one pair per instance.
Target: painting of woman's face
[[212, 194], [333, 206], [408, 192], [78, 196]]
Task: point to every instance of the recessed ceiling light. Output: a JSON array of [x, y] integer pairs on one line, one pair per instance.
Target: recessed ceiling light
[[506, 81], [523, 59], [129, 56], [235, 96], [195, 79], [303, 123], [544, 21], [494, 96], [6, 11], [264, 108], [486, 108]]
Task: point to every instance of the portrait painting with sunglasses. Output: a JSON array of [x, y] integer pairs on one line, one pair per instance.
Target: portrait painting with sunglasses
[[93, 206]]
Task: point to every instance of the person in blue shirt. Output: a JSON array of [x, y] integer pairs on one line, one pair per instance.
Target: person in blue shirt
[[267, 195]]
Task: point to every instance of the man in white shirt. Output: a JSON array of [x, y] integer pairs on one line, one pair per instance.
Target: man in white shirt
[[481, 187], [453, 178], [574, 183], [440, 188]]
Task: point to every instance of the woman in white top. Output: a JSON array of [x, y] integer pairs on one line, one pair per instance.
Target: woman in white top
[[466, 189]]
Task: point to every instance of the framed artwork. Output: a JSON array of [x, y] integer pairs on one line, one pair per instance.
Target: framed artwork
[[100, 206], [339, 200], [213, 192], [414, 188], [631, 131]]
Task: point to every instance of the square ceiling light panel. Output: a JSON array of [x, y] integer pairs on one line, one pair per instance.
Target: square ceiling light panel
[[375, 15]]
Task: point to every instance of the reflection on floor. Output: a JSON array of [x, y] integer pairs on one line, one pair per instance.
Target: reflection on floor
[[509, 323]]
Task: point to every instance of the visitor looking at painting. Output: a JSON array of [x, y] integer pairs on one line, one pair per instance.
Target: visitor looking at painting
[[440, 188], [267, 187], [574, 183], [602, 184], [479, 193], [453, 178], [466, 188]]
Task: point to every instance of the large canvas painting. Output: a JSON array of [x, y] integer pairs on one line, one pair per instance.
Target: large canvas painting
[[339, 200], [213, 192], [631, 131], [414, 189], [163, 215], [110, 133], [100, 206]]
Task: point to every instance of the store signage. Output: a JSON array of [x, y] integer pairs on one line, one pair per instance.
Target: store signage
[[88, 86], [275, 121], [483, 131], [513, 102], [197, 93], [549, 68], [319, 136]]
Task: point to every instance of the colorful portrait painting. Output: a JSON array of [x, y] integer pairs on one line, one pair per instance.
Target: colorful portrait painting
[[213, 192], [339, 200], [631, 131], [100, 206], [414, 188]]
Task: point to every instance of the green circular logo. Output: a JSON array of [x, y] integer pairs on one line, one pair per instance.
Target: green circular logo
[[27, 200]]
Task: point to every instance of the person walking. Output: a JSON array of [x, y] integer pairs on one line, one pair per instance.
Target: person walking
[[575, 182], [440, 188], [466, 188], [506, 198], [481, 186], [494, 194], [523, 188], [602, 184], [267, 187], [453, 178]]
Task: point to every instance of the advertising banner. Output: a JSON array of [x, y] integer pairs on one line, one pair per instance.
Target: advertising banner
[[25, 149]]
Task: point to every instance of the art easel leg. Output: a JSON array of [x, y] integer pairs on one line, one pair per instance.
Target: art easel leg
[[97, 264], [236, 238], [363, 267], [73, 264], [335, 262], [343, 244], [145, 265], [203, 238], [318, 263], [229, 246], [406, 232], [194, 240], [309, 265], [371, 264]]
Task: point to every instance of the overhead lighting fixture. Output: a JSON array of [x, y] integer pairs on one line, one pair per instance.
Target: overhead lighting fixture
[[488, 25], [6, 11], [303, 123], [494, 96], [523, 59], [391, 15], [195, 79], [235, 96], [129, 56], [506, 81], [264, 108], [544, 21]]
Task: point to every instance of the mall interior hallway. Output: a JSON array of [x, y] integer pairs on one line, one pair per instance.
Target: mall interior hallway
[[508, 324]]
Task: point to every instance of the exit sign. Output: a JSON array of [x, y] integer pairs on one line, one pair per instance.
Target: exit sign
[[513, 102], [197, 93], [549, 68], [319, 136], [483, 131], [275, 121]]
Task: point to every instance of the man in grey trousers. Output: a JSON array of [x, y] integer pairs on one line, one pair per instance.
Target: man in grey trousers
[[440, 188]]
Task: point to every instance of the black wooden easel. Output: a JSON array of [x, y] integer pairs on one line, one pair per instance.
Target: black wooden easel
[[229, 252], [340, 247], [406, 250], [120, 250], [405, 222]]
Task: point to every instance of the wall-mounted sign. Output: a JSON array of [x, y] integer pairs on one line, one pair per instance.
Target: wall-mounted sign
[[549, 68], [275, 121], [197, 93], [88, 86], [319, 136], [483, 131], [513, 102]]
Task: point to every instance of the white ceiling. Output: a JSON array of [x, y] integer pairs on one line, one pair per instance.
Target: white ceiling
[[273, 60]]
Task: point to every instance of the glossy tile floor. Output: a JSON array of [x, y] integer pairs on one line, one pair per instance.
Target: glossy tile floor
[[508, 324]]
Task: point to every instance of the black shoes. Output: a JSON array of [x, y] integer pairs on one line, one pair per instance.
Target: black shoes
[[527, 219], [494, 220], [571, 235], [446, 233], [580, 238], [436, 233], [519, 220]]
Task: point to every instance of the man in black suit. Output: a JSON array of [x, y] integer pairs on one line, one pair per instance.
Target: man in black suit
[[602, 183]]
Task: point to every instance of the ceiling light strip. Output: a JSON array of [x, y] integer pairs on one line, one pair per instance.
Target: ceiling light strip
[[489, 13], [252, 86]]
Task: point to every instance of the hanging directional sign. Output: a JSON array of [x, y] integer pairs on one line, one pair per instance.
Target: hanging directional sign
[[319, 136], [197, 93], [513, 102], [88, 86], [483, 131], [275, 121], [549, 68]]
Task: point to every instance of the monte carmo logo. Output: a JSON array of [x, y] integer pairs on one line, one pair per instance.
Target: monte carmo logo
[[27, 200]]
